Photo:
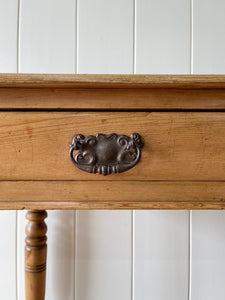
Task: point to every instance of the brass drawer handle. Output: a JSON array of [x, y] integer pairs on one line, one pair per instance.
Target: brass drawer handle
[[106, 154]]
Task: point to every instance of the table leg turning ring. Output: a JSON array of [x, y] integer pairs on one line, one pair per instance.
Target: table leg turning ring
[[35, 255]]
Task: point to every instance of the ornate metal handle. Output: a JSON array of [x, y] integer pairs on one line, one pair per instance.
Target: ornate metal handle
[[106, 154]]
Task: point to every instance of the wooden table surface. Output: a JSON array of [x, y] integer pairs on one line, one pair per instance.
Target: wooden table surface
[[181, 120]]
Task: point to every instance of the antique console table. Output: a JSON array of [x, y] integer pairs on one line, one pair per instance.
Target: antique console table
[[107, 142]]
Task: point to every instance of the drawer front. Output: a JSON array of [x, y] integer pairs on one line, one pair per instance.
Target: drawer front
[[177, 145]]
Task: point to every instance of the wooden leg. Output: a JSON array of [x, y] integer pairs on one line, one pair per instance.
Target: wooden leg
[[35, 255]]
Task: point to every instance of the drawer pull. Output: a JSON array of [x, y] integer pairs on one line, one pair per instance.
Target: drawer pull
[[106, 154]]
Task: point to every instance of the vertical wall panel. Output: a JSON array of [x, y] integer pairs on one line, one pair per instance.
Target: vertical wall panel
[[103, 242], [61, 253], [105, 36], [47, 44], [161, 255], [208, 248], [8, 255], [8, 36], [161, 238], [209, 37], [208, 228], [47, 36], [21, 224], [163, 36], [8, 63], [103, 255]]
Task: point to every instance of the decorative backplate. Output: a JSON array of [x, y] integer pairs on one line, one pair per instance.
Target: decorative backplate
[[106, 154]]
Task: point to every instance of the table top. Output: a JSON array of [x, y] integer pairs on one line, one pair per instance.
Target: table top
[[112, 92], [111, 81], [180, 118]]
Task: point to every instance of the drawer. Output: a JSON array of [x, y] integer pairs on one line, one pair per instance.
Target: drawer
[[178, 146]]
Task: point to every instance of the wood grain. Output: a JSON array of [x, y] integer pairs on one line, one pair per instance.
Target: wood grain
[[111, 195], [112, 99], [112, 92], [114, 205], [35, 255], [177, 146], [111, 81]]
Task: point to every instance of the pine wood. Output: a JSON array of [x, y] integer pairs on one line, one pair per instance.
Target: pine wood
[[178, 146], [111, 81], [35, 255], [182, 164], [115, 205], [112, 92], [112, 195], [112, 99]]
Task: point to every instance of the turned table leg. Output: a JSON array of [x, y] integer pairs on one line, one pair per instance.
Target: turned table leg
[[35, 255]]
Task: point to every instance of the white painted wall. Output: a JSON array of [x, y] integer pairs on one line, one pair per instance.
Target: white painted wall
[[122, 255]]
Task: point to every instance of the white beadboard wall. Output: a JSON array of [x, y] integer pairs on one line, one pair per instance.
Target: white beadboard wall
[[122, 255], [8, 219]]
